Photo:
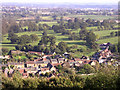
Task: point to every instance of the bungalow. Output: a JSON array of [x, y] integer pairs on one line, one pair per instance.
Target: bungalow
[[16, 65]]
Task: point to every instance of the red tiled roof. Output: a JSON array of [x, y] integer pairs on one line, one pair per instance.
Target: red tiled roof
[[86, 61], [78, 59], [21, 71], [30, 62], [35, 52], [71, 60], [56, 64], [44, 69], [24, 74]]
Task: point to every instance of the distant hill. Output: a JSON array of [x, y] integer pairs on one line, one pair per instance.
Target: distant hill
[[62, 5]]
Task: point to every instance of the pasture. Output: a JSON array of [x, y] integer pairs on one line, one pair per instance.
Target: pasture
[[96, 17], [77, 43]]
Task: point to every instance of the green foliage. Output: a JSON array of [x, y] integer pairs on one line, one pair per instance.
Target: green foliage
[[5, 51]]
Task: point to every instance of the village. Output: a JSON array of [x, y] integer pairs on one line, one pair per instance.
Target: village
[[48, 63]]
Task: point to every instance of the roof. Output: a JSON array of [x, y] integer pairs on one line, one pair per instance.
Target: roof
[[55, 64], [35, 52], [60, 59], [78, 59], [86, 61], [14, 63], [44, 69], [30, 62]]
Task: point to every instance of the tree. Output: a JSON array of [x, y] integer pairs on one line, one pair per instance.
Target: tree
[[112, 34], [90, 39], [88, 69], [24, 39], [5, 51], [19, 47], [34, 37], [15, 28], [62, 46], [83, 34]]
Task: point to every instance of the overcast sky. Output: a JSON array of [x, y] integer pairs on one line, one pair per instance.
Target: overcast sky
[[62, 1]]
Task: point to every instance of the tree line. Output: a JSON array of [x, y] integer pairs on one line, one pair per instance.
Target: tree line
[[107, 77]]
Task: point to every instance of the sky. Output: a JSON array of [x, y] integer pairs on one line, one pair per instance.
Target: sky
[[65, 1]]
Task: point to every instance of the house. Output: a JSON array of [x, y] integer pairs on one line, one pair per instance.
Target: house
[[67, 55], [5, 57], [38, 53], [78, 60], [39, 64], [16, 65], [108, 62], [61, 60], [77, 64], [6, 71], [85, 57], [92, 62], [66, 64], [71, 62], [101, 60], [44, 70], [52, 68], [53, 61], [105, 45], [85, 61], [23, 72], [31, 70], [17, 52], [55, 64], [30, 64]]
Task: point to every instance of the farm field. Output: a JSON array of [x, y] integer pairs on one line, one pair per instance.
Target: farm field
[[97, 17], [59, 38], [48, 23], [104, 32], [113, 40]]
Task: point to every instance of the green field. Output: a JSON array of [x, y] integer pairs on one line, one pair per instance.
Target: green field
[[97, 17], [59, 38], [48, 23], [104, 32], [113, 40]]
